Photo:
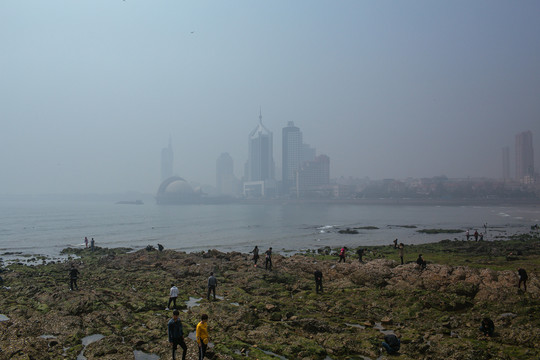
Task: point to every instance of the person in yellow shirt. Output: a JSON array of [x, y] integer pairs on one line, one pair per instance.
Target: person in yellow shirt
[[202, 335]]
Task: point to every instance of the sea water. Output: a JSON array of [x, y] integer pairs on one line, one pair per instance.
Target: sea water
[[45, 227]]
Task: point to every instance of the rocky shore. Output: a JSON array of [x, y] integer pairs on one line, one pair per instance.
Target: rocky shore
[[119, 310]]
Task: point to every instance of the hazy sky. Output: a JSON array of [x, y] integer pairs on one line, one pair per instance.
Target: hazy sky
[[90, 91]]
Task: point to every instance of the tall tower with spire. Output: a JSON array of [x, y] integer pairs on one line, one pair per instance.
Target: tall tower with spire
[[260, 158], [167, 158], [259, 170]]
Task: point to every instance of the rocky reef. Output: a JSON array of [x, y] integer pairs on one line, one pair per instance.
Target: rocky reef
[[119, 310]]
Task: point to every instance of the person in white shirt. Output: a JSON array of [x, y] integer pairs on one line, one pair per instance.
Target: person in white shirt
[[172, 297]]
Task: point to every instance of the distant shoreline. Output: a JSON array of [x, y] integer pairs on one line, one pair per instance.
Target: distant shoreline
[[398, 201]]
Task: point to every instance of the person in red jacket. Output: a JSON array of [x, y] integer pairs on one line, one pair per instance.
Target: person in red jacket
[[342, 254]]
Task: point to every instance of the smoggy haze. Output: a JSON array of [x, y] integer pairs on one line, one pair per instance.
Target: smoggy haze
[[90, 91]]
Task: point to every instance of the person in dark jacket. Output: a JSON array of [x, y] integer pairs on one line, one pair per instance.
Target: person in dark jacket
[[176, 335], [268, 259], [212, 283], [255, 255], [73, 276], [360, 253], [522, 278], [487, 328], [318, 281], [391, 343], [420, 261]]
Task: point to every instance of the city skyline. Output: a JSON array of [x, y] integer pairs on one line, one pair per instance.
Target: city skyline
[[386, 90]]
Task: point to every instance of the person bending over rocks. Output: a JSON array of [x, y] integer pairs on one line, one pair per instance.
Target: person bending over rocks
[[487, 328], [73, 276], [318, 281], [522, 278], [391, 343], [421, 262], [176, 335], [201, 334]]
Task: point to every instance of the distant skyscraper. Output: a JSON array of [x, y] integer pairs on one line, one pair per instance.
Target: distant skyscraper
[[314, 173], [506, 163], [260, 165], [292, 147], [167, 158], [524, 156], [226, 182]]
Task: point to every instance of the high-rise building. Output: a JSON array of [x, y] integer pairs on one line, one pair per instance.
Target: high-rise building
[[167, 158], [260, 161], [314, 173], [524, 157], [259, 168], [292, 154], [226, 182], [506, 163]]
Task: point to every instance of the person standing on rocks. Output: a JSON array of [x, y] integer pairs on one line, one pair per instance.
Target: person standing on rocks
[[176, 335], [255, 255], [201, 334], [268, 259], [476, 235], [92, 244], [522, 278], [86, 242], [212, 283], [73, 276], [467, 234], [401, 250], [395, 243], [173, 294], [391, 343], [421, 262], [360, 253], [342, 254], [318, 281]]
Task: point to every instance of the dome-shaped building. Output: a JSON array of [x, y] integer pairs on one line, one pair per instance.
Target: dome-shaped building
[[176, 190]]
